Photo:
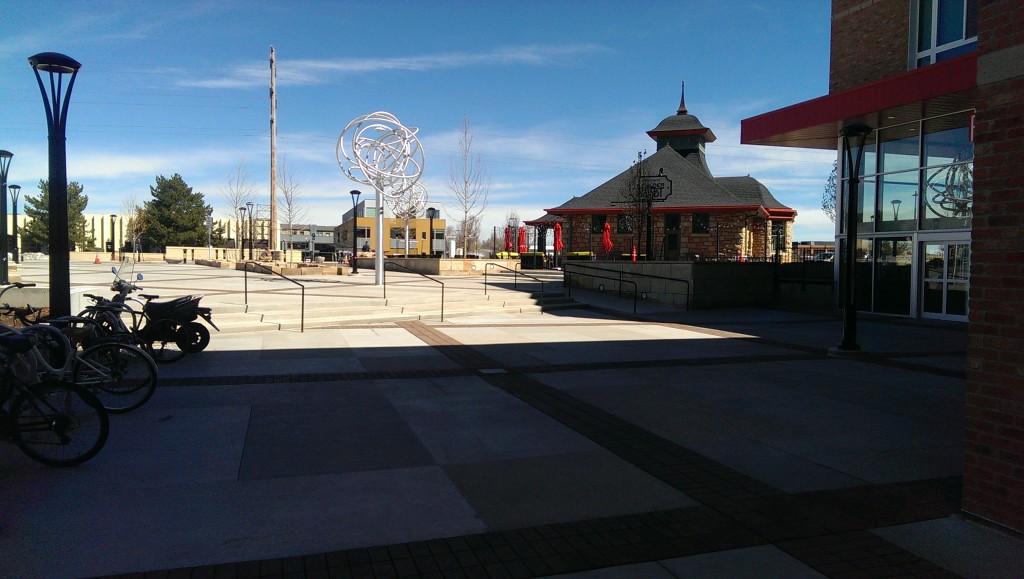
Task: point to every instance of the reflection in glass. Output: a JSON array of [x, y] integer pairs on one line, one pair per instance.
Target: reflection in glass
[[947, 140], [866, 210], [897, 202], [959, 261], [948, 197], [934, 261], [900, 149]]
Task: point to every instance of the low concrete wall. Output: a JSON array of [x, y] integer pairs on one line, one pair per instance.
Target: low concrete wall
[[687, 284], [39, 297], [442, 267]]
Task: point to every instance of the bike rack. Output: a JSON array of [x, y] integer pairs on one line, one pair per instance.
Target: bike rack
[[384, 279], [302, 305], [515, 280]]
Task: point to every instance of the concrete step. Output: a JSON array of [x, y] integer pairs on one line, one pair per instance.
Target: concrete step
[[237, 318]]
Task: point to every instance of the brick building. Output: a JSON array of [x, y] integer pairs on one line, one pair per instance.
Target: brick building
[[670, 207], [941, 224]]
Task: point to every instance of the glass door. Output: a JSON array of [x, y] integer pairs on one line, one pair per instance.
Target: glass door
[[945, 280]]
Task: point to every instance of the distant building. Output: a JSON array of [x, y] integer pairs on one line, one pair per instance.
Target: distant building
[[693, 214]]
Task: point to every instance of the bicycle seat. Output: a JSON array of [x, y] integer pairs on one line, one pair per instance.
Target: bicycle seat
[[163, 308]]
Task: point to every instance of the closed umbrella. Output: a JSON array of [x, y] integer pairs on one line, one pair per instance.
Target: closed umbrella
[[558, 237], [522, 239], [606, 238], [508, 238]]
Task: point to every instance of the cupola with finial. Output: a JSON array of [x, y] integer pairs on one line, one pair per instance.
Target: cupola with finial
[[683, 132]]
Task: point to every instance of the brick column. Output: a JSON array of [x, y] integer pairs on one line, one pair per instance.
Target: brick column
[[994, 436]]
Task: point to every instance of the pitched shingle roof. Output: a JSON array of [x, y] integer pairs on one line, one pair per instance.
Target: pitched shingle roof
[[693, 187]]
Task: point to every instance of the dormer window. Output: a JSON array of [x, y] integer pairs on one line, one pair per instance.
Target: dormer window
[[945, 28]]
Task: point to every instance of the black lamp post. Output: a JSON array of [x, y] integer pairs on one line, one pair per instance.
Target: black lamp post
[[252, 232], [854, 135], [355, 193], [431, 214], [241, 234], [113, 240], [56, 101], [5, 163], [15, 191]]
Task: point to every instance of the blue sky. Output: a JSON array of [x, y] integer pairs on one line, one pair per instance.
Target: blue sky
[[559, 94]]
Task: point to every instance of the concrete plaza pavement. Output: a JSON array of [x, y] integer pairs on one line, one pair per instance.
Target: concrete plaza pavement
[[587, 442]]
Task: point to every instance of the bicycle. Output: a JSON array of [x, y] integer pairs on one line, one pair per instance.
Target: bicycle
[[122, 376], [167, 330], [55, 423]]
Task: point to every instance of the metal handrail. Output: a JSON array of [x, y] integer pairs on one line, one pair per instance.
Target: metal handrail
[[618, 279], [302, 305], [384, 279], [630, 273], [515, 280]]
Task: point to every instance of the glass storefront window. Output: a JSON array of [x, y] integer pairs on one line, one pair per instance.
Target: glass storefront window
[[893, 275], [947, 140], [948, 197], [897, 202], [900, 149], [865, 206]]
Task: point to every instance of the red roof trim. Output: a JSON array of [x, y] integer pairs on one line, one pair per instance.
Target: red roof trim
[[917, 85]]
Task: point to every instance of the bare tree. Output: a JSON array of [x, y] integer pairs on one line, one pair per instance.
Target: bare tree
[[635, 197], [409, 206], [134, 222], [828, 197], [470, 186], [237, 193], [291, 211]]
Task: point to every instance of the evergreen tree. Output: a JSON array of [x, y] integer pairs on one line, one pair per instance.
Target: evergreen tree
[[36, 234], [175, 215]]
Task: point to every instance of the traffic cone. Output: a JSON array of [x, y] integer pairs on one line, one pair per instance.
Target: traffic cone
[[97, 260]]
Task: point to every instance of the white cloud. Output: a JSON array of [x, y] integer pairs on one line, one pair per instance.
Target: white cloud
[[312, 72]]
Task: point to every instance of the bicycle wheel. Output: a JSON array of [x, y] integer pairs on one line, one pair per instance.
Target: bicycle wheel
[[197, 337], [59, 424], [162, 338], [121, 376]]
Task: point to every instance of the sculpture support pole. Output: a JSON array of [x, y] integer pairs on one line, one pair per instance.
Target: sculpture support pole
[[378, 258], [387, 156]]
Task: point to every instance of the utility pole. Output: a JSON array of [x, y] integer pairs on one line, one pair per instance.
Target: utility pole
[[272, 243]]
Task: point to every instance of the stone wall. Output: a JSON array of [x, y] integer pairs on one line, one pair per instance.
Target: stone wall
[[732, 235]]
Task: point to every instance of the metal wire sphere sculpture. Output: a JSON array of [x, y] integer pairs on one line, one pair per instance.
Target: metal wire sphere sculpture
[[410, 203], [379, 151]]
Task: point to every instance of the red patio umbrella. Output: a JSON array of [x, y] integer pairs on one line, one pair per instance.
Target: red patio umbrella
[[606, 237], [558, 237], [508, 238], [522, 239]]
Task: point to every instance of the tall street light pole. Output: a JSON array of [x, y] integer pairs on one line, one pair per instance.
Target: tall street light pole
[[113, 239], [5, 164], [252, 234], [431, 214], [15, 191], [355, 193], [56, 101], [854, 135], [241, 234]]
